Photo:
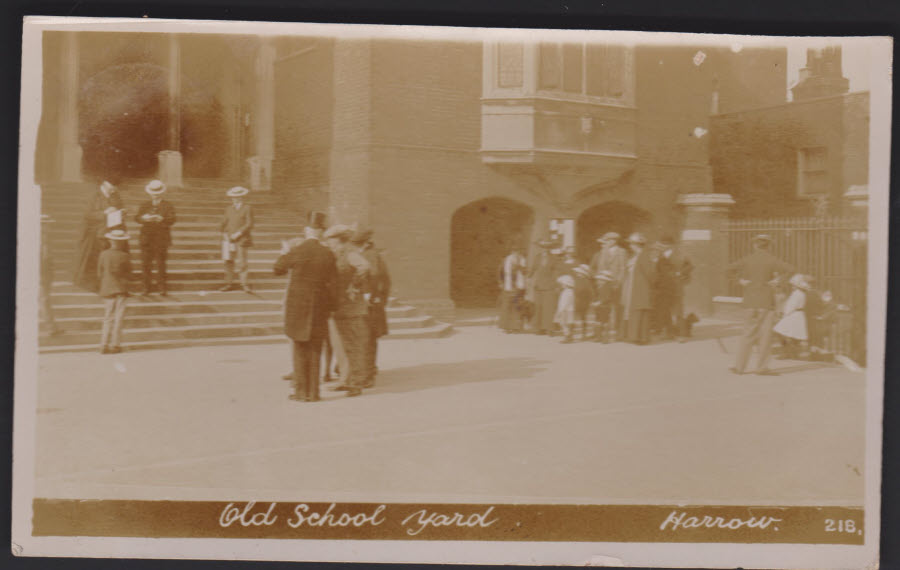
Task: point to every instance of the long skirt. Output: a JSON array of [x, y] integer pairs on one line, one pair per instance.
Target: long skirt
[[637, 328], [544, 309]]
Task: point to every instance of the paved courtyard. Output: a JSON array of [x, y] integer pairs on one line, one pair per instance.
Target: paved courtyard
[[477, 416]]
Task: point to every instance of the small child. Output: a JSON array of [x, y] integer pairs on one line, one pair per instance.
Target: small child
[[602, 305], [583, 293], [792, 325], [565, 308], [114, 270]]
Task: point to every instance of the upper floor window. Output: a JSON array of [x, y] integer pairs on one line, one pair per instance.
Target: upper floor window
[[812, 175], [597, 70]]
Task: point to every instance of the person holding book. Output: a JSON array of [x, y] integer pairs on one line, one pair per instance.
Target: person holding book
[[156, 217], [105, 213], [113, 273]]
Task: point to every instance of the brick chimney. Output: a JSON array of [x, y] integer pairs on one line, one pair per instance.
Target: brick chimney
[[822, 76]]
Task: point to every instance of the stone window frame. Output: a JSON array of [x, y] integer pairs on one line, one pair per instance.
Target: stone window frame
[[559, 89], [807, 165]]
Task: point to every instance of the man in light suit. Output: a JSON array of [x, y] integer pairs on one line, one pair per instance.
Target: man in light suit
[[612, 258], [309, 302], [758, 273], [235, 227]]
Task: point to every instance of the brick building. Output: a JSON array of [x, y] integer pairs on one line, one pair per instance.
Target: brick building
[[452, 151]]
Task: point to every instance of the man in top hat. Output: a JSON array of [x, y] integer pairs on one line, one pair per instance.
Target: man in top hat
[[378, 291], [759, 273], [156, 217], [113, 271], [673, 271], [612, 259], [544, 273], [351, 313], [637, 291], [235, 227], [46, 305], [308, 304]]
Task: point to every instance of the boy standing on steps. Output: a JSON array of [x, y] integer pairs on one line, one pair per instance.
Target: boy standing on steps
[[113, 271], [236, 240]]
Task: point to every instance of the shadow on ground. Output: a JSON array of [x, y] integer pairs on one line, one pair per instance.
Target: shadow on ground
[[439, 374]]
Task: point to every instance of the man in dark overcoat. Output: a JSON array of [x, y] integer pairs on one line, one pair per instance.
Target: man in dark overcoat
[[378, 291], [673, 271], [637, 292], [156, 217], [759, 273], [309, 302], [543, 275]]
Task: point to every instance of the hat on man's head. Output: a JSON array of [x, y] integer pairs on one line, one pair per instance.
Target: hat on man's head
[[237, 192], [799, 281], [117, 235], [316, 220], [762, 238], [609, 237], [361, 236], [584, 270], [155, 187], [566, 281], [666, 240], [604, 275], [637, 238], [340, 231]]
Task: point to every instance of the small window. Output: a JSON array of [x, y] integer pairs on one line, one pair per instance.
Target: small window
[[510, 64]]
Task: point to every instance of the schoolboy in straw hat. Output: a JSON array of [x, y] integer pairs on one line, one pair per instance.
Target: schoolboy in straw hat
[[605, 295], [612, 259], [156, 217], [114, 271], [236, 240]]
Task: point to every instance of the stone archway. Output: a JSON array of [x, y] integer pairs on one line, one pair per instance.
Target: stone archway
[[481, 234], [612, 216]]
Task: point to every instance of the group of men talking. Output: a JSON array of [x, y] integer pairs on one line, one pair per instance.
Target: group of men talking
[[337, 294]]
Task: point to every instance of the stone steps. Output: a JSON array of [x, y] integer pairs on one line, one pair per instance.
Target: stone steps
[[195, 313]]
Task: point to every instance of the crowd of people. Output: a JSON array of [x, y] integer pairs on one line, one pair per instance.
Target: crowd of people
[[629, 291], [335, 303]]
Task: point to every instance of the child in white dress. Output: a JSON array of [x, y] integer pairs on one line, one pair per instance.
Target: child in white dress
[[565, 308], [792, 326]]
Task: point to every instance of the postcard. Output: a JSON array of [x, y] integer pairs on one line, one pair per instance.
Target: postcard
[[363, 293]]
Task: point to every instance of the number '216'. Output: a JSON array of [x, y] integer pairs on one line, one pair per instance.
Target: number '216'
[[848, 525]]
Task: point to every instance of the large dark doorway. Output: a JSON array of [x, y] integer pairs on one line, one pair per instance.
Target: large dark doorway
[[611, 216], [481, 235], [123, 120]]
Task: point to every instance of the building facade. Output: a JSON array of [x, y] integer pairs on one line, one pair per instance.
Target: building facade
[[451, 151]]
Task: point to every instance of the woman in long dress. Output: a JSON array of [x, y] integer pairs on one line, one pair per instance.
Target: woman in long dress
[[92, 241]]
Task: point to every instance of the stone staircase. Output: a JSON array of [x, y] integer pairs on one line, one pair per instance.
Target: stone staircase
[[194, 313]]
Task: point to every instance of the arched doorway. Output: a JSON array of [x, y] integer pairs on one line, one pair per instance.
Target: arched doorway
[[123, 120], [481, 234], [613, 216], [124, 123]]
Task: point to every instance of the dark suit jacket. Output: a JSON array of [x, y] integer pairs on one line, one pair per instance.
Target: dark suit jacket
[[113, 269], [310, 295], [379, 288], [238, 221], [759, 268], [672, 273], [156, 233], [544, 272]]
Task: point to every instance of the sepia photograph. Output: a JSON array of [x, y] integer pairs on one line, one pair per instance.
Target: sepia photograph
[[395, 294]]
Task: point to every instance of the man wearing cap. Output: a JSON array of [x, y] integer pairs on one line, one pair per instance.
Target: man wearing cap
[[637, 298], [378, 292], [156, 217], [113, 272], [308, 305], [544, 273], [612, 259], [759, 273], [351, 313], [235, 227]]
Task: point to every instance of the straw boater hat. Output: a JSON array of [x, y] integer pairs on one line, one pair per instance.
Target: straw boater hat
[[609, 237], [155, 187], [361, 236], [117, 235], [237, 192], [339, 231], [637, 238], [566, 281], [584, 270], [604, 275], [799, 281]]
